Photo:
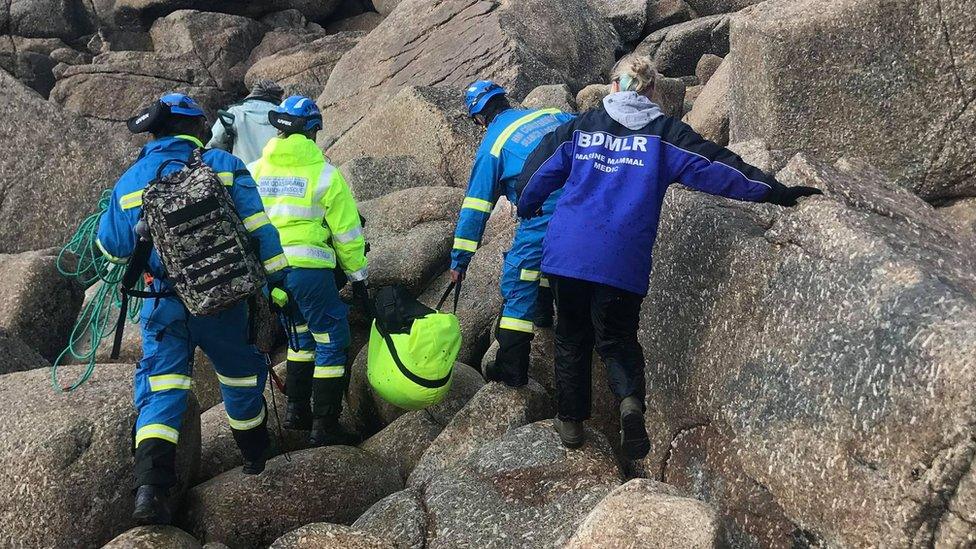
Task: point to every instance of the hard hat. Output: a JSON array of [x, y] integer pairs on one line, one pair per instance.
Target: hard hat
[[179, 103], [476, 96], [171, 103], [297, 114]]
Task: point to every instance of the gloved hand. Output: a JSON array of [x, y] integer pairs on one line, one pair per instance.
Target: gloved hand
[[457, 275], [279, 297], [781, 195], [360, 294]]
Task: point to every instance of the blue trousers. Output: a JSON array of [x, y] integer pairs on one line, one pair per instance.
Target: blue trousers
[[318, 365], [163, 380]]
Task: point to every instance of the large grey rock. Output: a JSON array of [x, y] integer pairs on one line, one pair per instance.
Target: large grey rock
[[386, 7], [758, 153], [706, 67], [664, 13], [552, 96], [17, 355], [648, 514], [712, 7], [710, 115], [962, 214], [399, 517], [372, 177], [451, 43], [38, 305], [826, 348], [328, 484], [142, 13], [628, 17], [676, 50], [411, 233], [364, 22], [521, 490], [825, 90], [218, 42], [153, 537], [64, 19], [66, 460], [280, 39], [73, 158], [442, 137], [322, 535], [494, 410], [591, 96], [669, 94], [32, 60], [303, 69], [405, 440]]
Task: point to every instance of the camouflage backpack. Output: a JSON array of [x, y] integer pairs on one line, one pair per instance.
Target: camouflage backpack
[[200, 238]]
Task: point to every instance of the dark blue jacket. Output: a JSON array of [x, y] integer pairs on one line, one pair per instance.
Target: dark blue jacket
[[614, 179]]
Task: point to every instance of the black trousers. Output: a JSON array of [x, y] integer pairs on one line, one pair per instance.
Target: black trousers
[[514, 347], [592, 315], [324, 395]]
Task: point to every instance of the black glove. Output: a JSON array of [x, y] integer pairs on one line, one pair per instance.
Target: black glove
[[360, 294], [781, 195]]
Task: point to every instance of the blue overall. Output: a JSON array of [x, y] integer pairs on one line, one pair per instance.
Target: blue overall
[[510, 139], [170, 334]]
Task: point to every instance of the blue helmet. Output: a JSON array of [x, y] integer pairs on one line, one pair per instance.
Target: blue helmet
[[172, 103], [476, 96], [297, 114]]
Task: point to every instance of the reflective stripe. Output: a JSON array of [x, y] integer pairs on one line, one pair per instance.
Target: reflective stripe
[[529, 275], [170, 381], [321, 338], [543, 282], [466, 245], [245, 424], [325, 372], [496, 149], [191, 139], [110, 257], [249, 381], [516, 324], [131, 200], [356, 276], [301, 328], [310, 252], [349, 236], [227, 178], [256, 221], [157, 430], [276, 263], [280, 210], [476, 204], [301, 356]]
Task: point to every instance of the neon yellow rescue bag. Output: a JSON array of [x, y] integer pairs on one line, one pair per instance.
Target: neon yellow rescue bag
[[412, 349]]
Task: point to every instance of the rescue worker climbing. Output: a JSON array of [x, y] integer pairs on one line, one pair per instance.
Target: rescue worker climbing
[[309, 202], [512, 134], [169, 333], [614, 165], [243, 128]]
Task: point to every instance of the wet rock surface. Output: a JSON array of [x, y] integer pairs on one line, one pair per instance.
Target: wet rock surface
[[153, 537], [399, 517], [305, 68], [323, 535]]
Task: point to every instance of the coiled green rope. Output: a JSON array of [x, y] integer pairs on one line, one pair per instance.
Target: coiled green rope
[[81, 260]]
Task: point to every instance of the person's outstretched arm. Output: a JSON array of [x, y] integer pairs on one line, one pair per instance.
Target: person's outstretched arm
[[705, 166], [546, 170], [479, 200]]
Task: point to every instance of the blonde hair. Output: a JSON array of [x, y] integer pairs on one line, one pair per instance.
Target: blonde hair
[[634, 73]]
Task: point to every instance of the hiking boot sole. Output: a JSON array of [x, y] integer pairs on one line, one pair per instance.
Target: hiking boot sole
[[570, 442], [633, 436], [149, 517]]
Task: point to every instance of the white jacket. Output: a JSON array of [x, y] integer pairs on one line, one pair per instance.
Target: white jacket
[[251, 126]]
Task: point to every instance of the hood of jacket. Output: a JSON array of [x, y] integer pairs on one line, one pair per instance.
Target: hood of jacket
[[630, 109], [294, 150]]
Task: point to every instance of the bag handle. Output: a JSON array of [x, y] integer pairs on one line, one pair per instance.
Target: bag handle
[[423, 382], [456, 286], [159, 170]]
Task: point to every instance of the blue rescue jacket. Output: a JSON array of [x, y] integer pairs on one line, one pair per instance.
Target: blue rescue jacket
[[510, 139], [613, 180], [116, 229]]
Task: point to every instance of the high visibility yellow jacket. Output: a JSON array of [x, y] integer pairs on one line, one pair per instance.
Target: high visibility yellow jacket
[[310, 204]]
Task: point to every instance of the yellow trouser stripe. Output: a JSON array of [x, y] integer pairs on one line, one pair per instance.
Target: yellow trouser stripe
[[169, 381], [516, 324], [249, 381], [466, 245], [157, 430], [529, 275], [245, 424], [256, 221], [325, 372], [472, 203], [301, 328], [496, 149], [321, 338], [227, 178], [276, 263], [131, 200], [543, 282], [301, 356], [110, 257]]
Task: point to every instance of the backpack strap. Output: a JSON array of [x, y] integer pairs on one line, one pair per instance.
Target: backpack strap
[[423, 382], [137, 265], [456, 286]]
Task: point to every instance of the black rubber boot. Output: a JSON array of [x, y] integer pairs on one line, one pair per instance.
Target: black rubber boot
[[511, 365], [298, 416], [570, 432], [327, 431], [543, 308], [152, 505], [255, 446], [633, 432]]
